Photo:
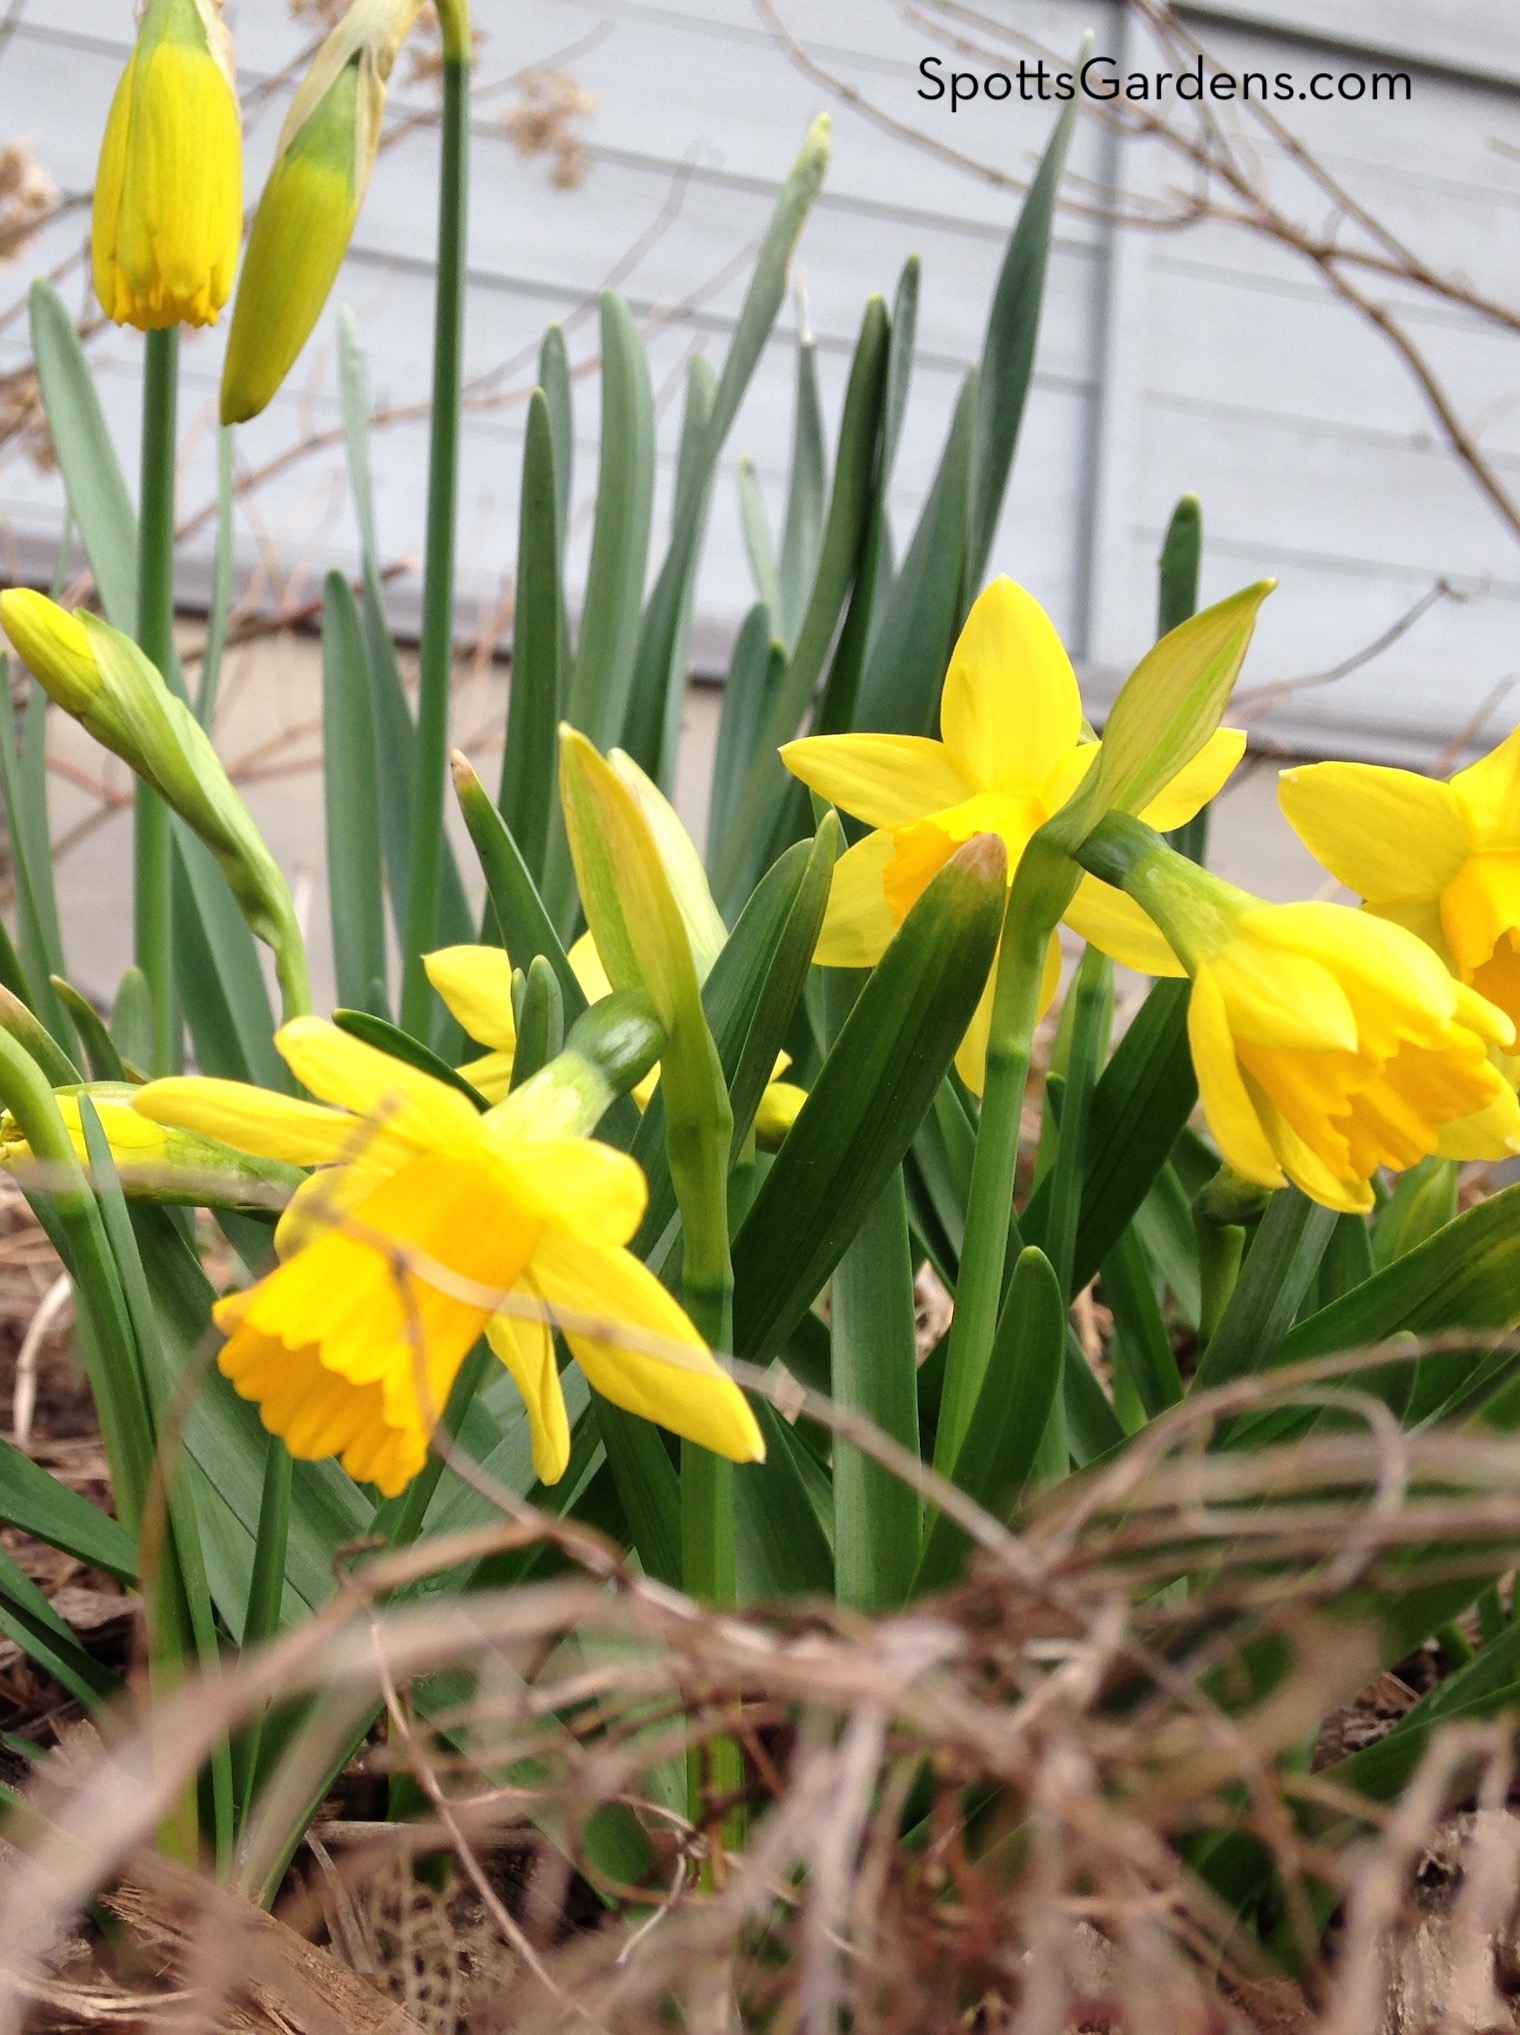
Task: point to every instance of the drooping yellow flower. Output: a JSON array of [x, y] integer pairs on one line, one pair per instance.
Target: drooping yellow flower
[[309, 207], [168, 211], [1327, 1042], [430, 1225], [1014, 749], [1441, 859]]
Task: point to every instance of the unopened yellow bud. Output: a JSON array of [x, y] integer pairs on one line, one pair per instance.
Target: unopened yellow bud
[[311, 202], [101, 678], [168, 210]]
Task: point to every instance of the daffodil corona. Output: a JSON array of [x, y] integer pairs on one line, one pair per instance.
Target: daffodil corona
[[168, 212], [1014, 749], [426, 1226], [1327, 1042], [1441, 859]]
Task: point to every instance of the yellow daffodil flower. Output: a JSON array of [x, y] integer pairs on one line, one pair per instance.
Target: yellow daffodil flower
[[1441, 859], [1014, 749], [308, 209], [1327, 1042], [168, 211], [432, 1225]]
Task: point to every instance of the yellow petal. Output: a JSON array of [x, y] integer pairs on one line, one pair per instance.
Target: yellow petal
[[1480, 906], [1118, 927], [1389, 835], [326, 1196], [1491, 1133], [638, 1349], [254, 1119], [1011, 708], [526, 1346], [1305, 1167], [971, 1054], [586, 964], [1197, 782], [1280, 998], [345, 1071], [1232, 1118], [1488, 793], [885, 780], [490, 1075], [780, 1107], [857, 923], [577, 1186], [476, 985]]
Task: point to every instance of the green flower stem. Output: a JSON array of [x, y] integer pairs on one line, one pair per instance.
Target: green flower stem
[[155, 635], [438, 571], [1042, 888]]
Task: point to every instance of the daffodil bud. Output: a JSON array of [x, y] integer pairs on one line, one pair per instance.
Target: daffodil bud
[[157, 1162], [169, 191], [311, 202], [101, 678]]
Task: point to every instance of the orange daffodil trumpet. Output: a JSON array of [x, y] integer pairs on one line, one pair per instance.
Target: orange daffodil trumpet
[[1442, 860], [428, 1225], [1327, 1042], [168, 208], [1013, 750]]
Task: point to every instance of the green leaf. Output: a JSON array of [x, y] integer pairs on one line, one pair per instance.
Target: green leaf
[[1252, 1333], [132, 1017], [1018, 1393], [36, 1502], [1090, 1007], [807, 488], [29, 1619], [877, 1517], [221, 982], [1467, 1275], [783, 1547], [757, 535], [1142, 1101], [395, 737], [844, 546], [388, 1038], [1181, 555], [98, 495], [355, 853], [525, 926], [554, 380], [540, 1021], [27, 1030], [910, 648], [99, 1047], [1145, 1364], [869, 1098], [221, 583], [1423, 1200], [604, 658], [1007, 361], [526, 798], [31, 864], [645, 735], [754, 674], [648, 1486]]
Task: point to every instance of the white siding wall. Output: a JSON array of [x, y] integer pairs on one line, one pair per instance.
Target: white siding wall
[[1204, 359]]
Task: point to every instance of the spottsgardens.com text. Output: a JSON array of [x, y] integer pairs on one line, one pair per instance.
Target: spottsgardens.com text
[[1102, 79]]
